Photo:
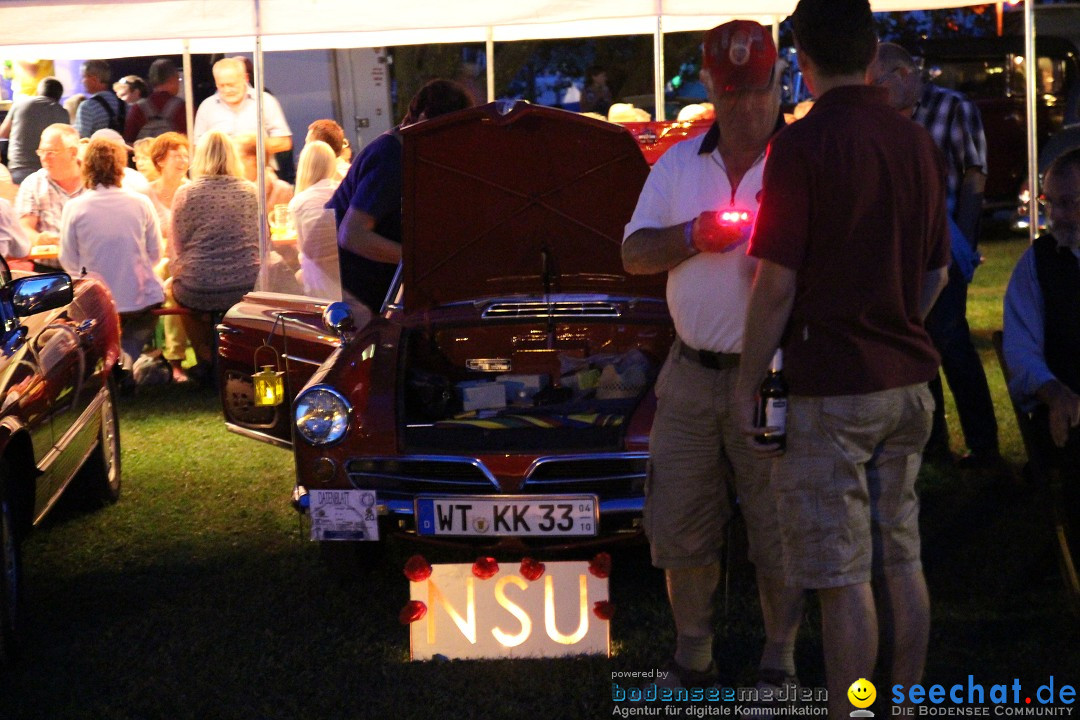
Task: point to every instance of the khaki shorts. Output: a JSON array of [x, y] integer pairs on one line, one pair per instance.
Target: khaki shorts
[[845, 487], [698, 461]]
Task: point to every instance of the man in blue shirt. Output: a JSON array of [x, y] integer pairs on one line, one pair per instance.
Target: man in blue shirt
[[954, 123], [367, 204], [102, 108], [1042, 327]]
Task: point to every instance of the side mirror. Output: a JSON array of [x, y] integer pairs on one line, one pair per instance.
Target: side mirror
[[338, 318], [37, 293]]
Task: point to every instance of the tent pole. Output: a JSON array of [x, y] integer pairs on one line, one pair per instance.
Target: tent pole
[[260, 154], [489, 63], [658, 66], [189, 97], [1032, 62]]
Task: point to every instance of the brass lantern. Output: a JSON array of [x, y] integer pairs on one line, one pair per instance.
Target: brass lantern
[[269, 381]]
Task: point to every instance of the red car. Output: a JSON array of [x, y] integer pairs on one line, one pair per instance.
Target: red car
[[503, 396], [58, 423]]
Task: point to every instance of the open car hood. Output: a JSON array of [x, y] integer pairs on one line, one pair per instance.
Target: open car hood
[[513, 199]]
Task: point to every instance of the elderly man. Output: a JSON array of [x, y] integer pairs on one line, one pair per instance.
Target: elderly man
[[102, 108], [1042, 322], [698, 457], [24, 124], [232, 109], [954, 123], [162, 111], [852, 255], [44, 193]]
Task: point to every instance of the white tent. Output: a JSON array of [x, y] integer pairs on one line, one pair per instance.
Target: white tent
[[120, 28], [126, 28]]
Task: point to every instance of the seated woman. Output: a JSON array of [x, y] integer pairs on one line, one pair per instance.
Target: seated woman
[[214, 239], [316, 232], [168, 154], [278, 192], [114, 232]]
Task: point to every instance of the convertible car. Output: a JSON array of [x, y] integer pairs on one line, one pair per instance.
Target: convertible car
[[59, 343], [502, 398]]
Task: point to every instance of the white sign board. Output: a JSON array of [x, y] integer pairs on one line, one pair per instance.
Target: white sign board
[[508, 616], [347, 515]]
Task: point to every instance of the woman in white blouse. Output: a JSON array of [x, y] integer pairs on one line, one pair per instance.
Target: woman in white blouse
[[114, 233], [315, 229]]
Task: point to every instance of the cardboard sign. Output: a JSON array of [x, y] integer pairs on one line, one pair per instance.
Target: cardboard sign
[[507, 615]]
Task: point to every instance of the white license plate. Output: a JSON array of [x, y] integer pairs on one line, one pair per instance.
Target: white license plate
[[508, 515], [343, 515]]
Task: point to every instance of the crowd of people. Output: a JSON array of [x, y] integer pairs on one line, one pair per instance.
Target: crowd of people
[[175, 238]]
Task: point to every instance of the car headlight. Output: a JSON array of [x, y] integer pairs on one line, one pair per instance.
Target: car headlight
[[321, 415]]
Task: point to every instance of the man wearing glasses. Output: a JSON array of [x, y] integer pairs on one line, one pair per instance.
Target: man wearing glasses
[[1042, 314], [43, 194], [956, 127]]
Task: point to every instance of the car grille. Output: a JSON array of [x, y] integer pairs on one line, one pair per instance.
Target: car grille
[[605, 475], [420, 475], [556, 309]]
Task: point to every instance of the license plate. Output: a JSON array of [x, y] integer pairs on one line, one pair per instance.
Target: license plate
[[508, 515], [343, 515]]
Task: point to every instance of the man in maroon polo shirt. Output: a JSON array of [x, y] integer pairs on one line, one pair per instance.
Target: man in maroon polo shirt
[[853, 248], [163, 110]]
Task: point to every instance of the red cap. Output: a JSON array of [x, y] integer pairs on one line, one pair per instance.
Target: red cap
[[739, 55]]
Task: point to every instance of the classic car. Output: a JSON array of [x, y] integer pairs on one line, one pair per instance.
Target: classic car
[[990, 71], [59, 343], [502, 397]]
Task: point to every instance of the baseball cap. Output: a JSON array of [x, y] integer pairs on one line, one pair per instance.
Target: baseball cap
[[739, 55], [110, 135]]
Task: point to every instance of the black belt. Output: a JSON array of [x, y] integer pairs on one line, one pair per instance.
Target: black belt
[[709, 359]]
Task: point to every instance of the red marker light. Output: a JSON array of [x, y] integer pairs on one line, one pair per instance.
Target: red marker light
[[733, 217]]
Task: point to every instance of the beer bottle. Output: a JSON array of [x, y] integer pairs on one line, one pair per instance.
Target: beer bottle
[[772, 404]]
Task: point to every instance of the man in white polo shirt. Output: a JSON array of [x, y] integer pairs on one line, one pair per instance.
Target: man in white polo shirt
[[232, 109], [699, 459]]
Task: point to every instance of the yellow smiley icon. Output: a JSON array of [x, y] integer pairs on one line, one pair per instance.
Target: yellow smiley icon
[[862, 693]]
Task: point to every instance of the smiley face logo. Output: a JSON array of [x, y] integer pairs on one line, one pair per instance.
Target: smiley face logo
[[862, 693]]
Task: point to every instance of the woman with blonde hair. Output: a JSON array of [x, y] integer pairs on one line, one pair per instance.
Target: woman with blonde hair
[[214, 240], [316, 232], [114, 232]]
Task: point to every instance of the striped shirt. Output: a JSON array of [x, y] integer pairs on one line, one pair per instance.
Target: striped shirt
[[91, 117], [956, 126], [39, 195]]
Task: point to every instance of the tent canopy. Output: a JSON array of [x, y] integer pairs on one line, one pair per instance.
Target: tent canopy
[[126, 28]]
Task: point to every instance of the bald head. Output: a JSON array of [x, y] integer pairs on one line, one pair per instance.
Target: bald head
[[895, 70]]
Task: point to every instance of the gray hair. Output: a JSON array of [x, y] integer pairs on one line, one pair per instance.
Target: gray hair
[[99, 69]]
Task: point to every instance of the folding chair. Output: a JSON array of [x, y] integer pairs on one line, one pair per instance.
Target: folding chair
[[1049, 481]]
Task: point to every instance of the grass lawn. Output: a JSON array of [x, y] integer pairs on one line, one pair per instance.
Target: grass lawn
[[196, 596]]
